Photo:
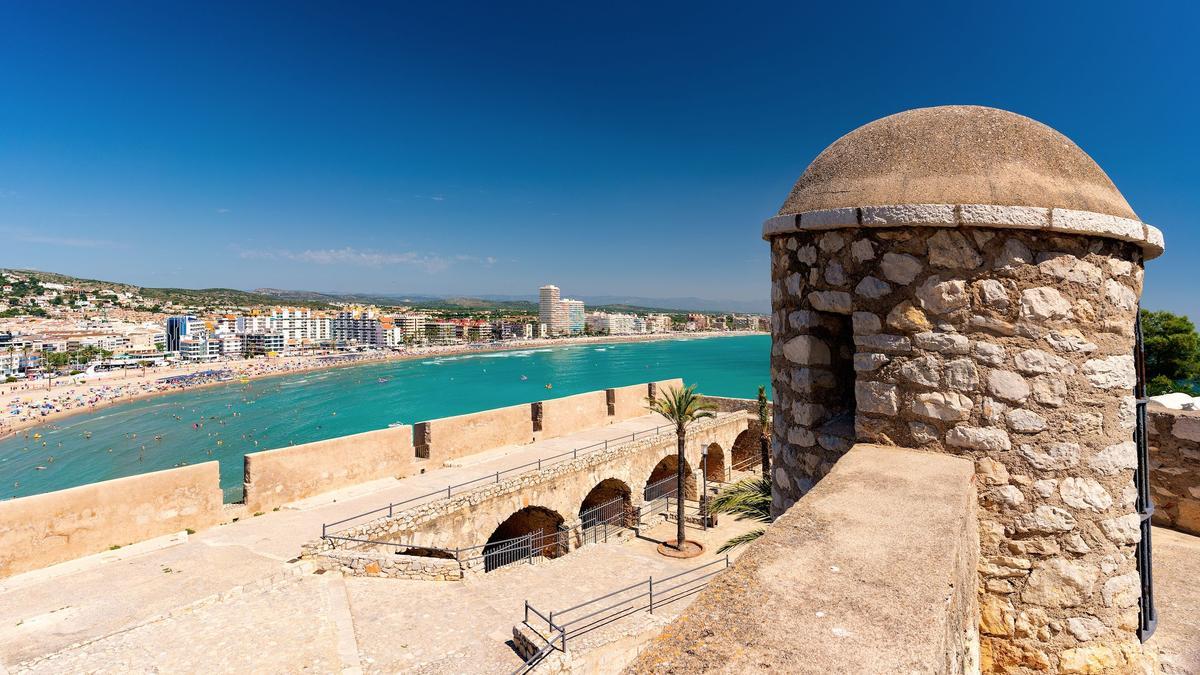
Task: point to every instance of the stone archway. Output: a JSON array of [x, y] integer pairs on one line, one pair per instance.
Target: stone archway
[[533, 531], [658, 485], [606, 508], [745, 454], [714, 464]]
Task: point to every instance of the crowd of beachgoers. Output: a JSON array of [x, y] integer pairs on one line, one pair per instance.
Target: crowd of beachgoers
[[29, 403]]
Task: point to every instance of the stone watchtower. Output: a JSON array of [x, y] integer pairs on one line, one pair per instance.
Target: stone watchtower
[[966, 280]]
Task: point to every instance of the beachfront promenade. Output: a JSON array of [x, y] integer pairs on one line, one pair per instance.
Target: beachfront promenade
[[201, 598]]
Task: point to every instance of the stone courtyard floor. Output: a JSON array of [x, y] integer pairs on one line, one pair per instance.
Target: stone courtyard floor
[[233, 598]]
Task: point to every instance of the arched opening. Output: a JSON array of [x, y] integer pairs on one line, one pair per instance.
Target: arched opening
[[714, 464], [529, 533], [746, 453], [608, 506], [661, 482]]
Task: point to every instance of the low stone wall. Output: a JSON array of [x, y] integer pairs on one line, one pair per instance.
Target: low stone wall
[[50, 528], [569, 414], [660, 387], [387, 565], [872, 571], [1174, 437], [448, 438], [628, 402], [727, 404], [276, 477]]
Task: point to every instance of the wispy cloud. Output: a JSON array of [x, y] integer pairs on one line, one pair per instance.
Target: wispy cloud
[[365, 258], [222, 210], [56, 240]]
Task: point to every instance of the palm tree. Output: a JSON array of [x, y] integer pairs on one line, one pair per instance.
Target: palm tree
[[764, 441], [747, 498], [681, 407]]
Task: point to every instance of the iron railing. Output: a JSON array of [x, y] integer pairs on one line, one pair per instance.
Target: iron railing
[[563, 625], [1147, 614], [538, 465]]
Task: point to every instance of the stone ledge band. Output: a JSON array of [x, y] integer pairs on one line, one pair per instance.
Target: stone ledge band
[[1066, 221]]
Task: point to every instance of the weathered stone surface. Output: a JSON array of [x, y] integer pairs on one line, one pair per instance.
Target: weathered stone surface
[[1040, 362], [924, 370], [947, 406], [806, 350], [1069, 268], [802, 437], [1122, 591], [944, 343], [889, 344], [862, 250], [1045, 487], [978, 438], [950, 249], [923, 433], [1186, 428], [1114, 372], [876, 397], [1122, 530], [865, 323], [865, 362], [996, 616], [908, 318], [1007, 385], [989, 354], [1043, 304], [807, 414], [1007, 495], [1085, 628], [1115, 458], [808, 380], [872, 288], [990, 471], [961, 374], [837, 302], [1025, 421], [835, 274], [807, 254], [1070, 340], [1092, 659], [992, 294], [1051, 456], [900, 268], [1120, 295], [1014, 254], [831, 242], [1049, 391], [1059, 583], [942, 297], [1084, 493]]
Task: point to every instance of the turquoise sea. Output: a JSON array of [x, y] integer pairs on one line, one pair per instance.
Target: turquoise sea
[[225, 422]]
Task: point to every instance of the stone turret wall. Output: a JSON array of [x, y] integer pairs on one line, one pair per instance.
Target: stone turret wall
[[1012, 348], [1175, 467]]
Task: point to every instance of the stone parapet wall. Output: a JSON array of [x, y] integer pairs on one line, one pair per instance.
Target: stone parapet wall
[[276, 477], [569, 414], [50, 528], [872, 572], [1174, 437], [447, 438], [1012, 348], [389, 565]]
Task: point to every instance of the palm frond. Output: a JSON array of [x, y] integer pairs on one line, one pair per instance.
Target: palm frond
[[744, 538], [682, 405], [748, 498]]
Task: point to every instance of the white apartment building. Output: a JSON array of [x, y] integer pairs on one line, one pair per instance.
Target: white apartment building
[[573, 316], [359, 325], [300, 327], [411, 325], [254, 323], [614, 324], [551, 310]]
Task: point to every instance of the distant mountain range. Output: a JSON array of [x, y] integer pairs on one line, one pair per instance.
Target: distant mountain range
[[525, 303]]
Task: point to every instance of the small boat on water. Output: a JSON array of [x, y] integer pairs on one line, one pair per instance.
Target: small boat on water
[[383, 380], [395, 425], [524, 377]]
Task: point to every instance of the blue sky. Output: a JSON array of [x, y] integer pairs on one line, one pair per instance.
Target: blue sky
[[609, 148]]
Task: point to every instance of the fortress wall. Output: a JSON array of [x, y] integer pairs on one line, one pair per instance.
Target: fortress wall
[[628, 402], [660, 387], [566, 415], [276, 477], [1174, 437], [450, 437], [45, 529]]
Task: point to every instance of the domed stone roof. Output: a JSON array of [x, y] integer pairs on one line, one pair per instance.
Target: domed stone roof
[[956, 155]]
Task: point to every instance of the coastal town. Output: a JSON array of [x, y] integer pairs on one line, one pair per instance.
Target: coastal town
[[69, 347]]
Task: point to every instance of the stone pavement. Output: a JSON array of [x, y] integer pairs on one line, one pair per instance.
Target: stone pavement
[[324, 623], [46, 611], [1177, 598]]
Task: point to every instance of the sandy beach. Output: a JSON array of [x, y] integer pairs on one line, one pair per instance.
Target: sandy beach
[[32, 403]]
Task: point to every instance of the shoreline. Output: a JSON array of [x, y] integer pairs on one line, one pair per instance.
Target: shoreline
[[246, 369]]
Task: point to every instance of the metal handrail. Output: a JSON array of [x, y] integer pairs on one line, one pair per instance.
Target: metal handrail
[[495, 477], [654, 594]]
